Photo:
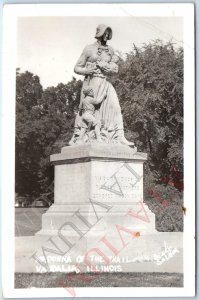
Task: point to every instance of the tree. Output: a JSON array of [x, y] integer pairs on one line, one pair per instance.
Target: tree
[[58, 105], [150, 89], [43, 118], [28, 89], [28, 93]]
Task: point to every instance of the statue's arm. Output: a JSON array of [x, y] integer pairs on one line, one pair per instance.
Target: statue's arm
[[98, 100], [80, 67], [81, 63]]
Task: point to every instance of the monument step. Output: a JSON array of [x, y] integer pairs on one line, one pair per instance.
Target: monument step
[[160, 252]]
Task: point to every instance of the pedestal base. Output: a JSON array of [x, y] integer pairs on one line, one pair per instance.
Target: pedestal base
[[94, 182], [97, 218], [161, 252], [99, 222]]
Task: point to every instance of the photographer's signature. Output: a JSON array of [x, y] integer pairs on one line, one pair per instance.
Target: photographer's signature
[[159, 258]]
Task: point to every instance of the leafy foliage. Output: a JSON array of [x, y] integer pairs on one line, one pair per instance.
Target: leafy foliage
[[42, 118], [150, 89]]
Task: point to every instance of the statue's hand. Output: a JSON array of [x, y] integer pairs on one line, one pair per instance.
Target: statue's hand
[[90, 71], [101, 65], [104, 66], [106, 69]]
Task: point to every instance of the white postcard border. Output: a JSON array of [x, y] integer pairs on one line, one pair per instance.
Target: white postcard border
[[11, 13]]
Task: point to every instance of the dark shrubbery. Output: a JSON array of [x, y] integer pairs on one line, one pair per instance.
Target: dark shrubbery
[[44, 124]]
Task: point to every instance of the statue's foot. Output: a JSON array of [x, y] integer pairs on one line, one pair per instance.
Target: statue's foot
[[79, 142], [124, 141], [121, 138], [71, 142]]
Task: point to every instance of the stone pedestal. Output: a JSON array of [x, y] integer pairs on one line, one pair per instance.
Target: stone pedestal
[[99, 222], [97, 188]]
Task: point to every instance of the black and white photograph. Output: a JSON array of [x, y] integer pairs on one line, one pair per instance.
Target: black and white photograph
[[99, 150]]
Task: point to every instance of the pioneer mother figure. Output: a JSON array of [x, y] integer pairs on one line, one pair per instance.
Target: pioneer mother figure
[[97, 62]]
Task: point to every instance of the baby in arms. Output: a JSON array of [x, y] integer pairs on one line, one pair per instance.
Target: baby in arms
[[103, 67]]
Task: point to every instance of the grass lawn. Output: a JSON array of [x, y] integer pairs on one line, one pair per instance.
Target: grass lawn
[[52, 280], [28, 220]]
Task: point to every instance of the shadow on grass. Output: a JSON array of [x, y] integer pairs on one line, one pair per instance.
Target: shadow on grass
[[52, 280]]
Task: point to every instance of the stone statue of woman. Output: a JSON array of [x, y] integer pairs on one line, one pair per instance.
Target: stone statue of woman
[[96, 63]]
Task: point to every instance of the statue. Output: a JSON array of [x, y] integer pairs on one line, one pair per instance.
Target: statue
[[99, 118], [88, 117]]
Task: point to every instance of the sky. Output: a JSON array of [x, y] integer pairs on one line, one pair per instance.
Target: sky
[[50, 46]]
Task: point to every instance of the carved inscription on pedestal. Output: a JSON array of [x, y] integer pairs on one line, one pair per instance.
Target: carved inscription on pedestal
[[117, 181]]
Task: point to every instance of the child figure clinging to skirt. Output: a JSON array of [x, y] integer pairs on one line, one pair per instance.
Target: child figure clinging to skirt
[[88, 107]]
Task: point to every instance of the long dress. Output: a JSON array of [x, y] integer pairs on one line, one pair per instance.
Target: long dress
[[109, 111]]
